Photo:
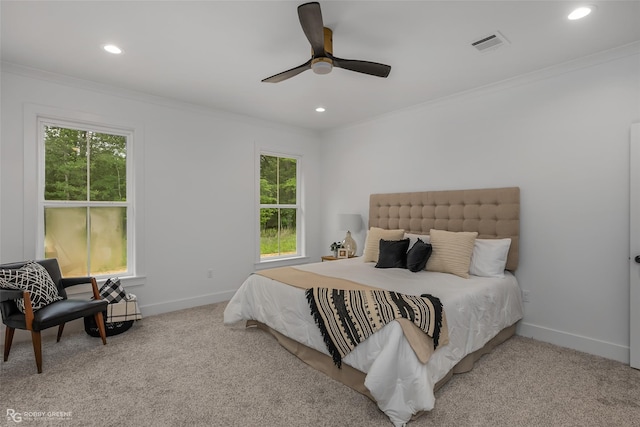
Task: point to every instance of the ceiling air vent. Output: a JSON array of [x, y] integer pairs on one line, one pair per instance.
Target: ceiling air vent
[[490, 42]]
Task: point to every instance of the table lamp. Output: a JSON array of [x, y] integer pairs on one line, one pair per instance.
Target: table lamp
[[350, 222]]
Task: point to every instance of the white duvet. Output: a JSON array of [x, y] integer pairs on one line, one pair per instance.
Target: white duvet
[[476, 310]]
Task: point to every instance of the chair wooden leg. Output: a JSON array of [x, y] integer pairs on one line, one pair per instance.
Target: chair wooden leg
[[100, 323], [60, 329], [37, 349], [8, 339]]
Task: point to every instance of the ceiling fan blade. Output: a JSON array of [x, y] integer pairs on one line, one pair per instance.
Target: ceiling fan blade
[[311, 22], [289, 73], [366, 67]]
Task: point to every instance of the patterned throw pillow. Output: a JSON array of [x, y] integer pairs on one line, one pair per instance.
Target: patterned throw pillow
[[112, 291], [34, 278]]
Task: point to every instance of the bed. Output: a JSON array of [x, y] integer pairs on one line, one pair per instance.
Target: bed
[[480, 312]]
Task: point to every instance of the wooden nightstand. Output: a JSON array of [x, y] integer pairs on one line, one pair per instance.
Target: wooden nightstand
[[332, 258]]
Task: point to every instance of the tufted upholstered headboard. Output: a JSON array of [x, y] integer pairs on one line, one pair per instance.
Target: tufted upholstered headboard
[[492, 212]]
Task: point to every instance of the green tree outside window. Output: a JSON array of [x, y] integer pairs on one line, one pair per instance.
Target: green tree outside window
[[278, 205], [85, 200]]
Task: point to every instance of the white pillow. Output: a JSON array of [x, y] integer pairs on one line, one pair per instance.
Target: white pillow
[[489, 257], [413, 238]]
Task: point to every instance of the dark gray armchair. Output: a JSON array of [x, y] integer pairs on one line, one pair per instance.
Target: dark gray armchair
[[54, 314]]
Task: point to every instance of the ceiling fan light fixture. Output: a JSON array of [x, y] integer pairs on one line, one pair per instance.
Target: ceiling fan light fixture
[[321, 65]]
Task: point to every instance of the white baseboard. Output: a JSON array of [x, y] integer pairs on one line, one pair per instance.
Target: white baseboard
[[576, 342], [181, 304]]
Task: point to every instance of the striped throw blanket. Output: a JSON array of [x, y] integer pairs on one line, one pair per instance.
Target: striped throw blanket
[[348, 317]]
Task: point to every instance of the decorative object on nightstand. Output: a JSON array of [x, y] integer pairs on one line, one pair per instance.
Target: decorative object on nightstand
[[349, 222], [343, 253], [334, 248]]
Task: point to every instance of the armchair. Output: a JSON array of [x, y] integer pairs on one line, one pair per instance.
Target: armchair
[[54, 314]]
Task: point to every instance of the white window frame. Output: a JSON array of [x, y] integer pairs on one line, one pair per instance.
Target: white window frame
[[300, 234], [43, 204], [33, 158]]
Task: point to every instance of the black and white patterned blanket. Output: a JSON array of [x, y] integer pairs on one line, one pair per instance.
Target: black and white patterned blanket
[[348, 317], [123, 307]]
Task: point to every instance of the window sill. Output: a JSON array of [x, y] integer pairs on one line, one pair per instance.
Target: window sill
[[127, 282], [281, 262]]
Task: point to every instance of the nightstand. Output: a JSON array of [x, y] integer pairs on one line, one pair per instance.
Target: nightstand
[[332, 258]]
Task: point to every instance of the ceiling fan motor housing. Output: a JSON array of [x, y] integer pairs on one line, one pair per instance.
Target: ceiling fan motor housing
[[322, 64], [328, 41]]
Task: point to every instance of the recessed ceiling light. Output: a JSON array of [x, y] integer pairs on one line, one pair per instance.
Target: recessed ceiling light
[[580, 12], [112, 48], [320, 109]]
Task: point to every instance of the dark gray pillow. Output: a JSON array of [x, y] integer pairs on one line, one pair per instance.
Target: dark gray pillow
[[418, 255], [393, 253]]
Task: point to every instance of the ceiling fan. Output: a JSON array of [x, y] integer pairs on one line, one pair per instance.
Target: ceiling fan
[[322, 59]]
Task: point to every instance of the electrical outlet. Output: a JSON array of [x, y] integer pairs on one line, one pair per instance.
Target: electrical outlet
[[210, 274], [525, 295]]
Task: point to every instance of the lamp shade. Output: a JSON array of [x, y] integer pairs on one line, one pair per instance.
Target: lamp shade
[[350, 222]]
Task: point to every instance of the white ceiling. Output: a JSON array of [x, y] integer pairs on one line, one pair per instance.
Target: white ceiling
[[214, 53]]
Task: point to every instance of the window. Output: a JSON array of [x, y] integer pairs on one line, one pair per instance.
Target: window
[[85, 198], [280, 213]]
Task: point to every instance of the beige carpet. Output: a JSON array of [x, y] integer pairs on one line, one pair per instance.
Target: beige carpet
[[187, 368]]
